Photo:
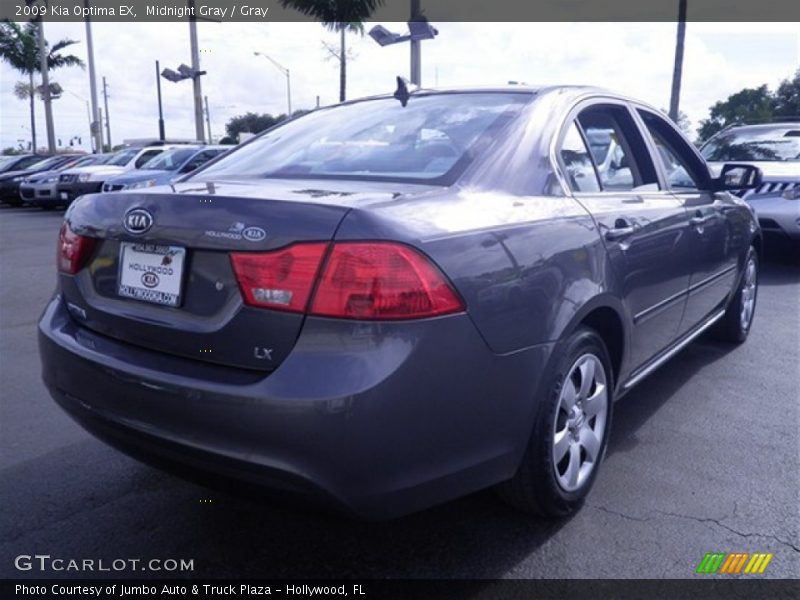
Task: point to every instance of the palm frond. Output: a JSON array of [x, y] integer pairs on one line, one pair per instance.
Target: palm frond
[[23, 90], [61, 44], [336, 14]]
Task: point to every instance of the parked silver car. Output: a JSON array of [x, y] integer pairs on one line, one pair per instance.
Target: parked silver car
[[40, 189], [775, 149]]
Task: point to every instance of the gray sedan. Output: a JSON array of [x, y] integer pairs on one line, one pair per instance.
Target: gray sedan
[[397, 301]]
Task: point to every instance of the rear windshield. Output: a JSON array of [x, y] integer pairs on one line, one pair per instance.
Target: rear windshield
[[754, 145], [430, 140]]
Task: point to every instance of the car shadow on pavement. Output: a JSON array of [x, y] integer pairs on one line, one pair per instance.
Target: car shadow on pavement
[[88, 499]]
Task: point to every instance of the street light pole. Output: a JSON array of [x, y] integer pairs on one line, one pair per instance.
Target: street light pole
[[419, 29], [286, 73], [97, 131], [160, 108], [416, 48], [197, 87], [108, 114], [677, 71], [208, 119]]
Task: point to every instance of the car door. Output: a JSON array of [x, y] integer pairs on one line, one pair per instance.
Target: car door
[[714, 252], [643, 226]]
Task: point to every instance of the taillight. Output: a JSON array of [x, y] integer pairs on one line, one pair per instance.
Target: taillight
[[360, 280], [382, 280], [73, 250], [281, 279]]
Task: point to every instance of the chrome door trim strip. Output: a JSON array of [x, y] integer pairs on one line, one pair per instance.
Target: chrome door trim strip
[[680, 346], [658, 306], [696, 286]]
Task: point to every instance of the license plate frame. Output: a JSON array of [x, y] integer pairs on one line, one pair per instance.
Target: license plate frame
[[158, 264]]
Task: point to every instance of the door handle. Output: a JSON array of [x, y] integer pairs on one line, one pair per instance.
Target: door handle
[[622, 228], [699, 221]]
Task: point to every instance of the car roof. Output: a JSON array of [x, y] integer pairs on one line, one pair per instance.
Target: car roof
[[783, 126]]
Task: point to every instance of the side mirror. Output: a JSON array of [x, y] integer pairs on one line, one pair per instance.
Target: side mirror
[[738, 177]]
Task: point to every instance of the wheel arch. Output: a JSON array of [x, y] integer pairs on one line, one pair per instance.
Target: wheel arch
[[606, 315]]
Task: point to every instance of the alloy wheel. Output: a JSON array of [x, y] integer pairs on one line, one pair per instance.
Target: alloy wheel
[[580, 422], [748, 294]]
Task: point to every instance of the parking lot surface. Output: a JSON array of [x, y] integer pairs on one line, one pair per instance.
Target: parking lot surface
[[703, 457]]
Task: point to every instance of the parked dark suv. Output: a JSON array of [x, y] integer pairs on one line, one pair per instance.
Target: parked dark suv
[[397, 301]]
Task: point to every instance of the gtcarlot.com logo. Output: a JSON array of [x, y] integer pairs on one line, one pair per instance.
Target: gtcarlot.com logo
[[734, 563], [45, 562]]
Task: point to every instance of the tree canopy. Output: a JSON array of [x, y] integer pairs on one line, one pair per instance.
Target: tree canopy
[[20, 49], [251, 123], [254, 123], [753, 105]]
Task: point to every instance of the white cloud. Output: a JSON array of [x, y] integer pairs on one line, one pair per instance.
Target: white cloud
[[633, 58]]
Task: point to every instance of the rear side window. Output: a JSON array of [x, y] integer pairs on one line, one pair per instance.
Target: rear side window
[[146, 156], [684, 171], [618, 149], [578, 162], [27, 162]]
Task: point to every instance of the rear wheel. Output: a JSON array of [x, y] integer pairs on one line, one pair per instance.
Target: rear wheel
[[570, 433], [735, 324]]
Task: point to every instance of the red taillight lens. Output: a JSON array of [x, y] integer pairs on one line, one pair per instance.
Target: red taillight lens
[[382, 280], [73, 250], [281, 279]]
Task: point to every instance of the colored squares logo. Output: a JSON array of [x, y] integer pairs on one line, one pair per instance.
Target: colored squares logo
[[734, 563]]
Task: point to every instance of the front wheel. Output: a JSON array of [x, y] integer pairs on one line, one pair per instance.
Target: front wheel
[[570, 432], [738, 318]]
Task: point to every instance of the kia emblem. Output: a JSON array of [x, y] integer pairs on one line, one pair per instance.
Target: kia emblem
[[137, 221]]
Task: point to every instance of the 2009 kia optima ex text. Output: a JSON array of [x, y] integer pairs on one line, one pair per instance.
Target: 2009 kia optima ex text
[[397, 301]]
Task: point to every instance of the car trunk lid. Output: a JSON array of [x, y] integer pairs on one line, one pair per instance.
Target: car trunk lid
[[182, 245]]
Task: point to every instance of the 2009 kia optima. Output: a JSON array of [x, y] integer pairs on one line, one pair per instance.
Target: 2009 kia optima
[[397, 301]]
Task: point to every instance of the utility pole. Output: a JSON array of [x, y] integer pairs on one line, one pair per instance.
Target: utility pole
[[48, 105], [677, 72], [208, 119], [97, 131], [108, 114], [416, 47], [89, 116], [160, 108], [198, 91]]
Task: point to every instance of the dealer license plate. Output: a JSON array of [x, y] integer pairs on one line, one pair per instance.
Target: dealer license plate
[[151, 273]]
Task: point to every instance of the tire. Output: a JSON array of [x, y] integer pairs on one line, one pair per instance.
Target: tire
[[544, 485], [734, 327]]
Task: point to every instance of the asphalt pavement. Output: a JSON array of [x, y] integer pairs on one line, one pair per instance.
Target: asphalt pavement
[[703, 457]]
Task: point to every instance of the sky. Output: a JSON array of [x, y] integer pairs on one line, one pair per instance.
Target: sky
[[633, 58]]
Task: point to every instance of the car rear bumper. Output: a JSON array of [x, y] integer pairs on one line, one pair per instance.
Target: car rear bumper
[[382, 419]]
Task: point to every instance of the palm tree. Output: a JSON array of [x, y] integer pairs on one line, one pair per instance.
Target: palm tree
[[19, 47], [341, 16], [342, 54]]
